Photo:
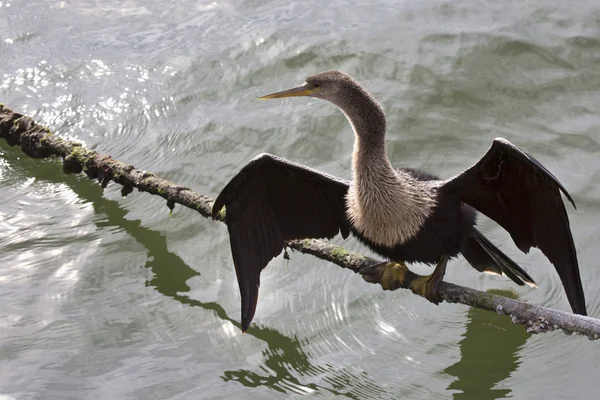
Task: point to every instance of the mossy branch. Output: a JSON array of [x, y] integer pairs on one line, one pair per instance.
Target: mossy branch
[[37, 141]]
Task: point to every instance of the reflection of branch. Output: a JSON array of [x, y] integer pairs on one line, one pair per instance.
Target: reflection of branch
[[37, 141], [282, 356], [497, 354]]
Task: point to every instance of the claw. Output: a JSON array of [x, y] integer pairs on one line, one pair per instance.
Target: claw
[[429, 286], [389, 274]]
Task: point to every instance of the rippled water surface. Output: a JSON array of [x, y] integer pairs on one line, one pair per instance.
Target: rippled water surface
[[105, 297]]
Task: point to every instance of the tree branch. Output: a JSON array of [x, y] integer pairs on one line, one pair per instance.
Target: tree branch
[[37, 141]]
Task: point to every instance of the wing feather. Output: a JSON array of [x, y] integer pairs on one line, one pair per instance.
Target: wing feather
[[518, 192], [272, 200]]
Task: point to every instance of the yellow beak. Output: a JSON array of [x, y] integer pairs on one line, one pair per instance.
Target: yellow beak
[[293, 92]]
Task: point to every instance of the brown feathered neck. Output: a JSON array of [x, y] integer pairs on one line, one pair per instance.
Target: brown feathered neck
[[385, 206], [364, 113], [368, 121]]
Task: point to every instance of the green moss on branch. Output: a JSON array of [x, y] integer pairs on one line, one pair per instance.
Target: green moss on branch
[[37, 141]]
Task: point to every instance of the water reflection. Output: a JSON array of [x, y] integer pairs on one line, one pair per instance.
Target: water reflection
[[283, 355], [488, 350], [488, 354]]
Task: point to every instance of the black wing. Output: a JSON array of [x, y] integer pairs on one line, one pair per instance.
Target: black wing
[[272, 200], [519, 193]]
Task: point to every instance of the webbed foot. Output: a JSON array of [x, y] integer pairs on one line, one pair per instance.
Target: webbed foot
[[389, 274], [429, 286]]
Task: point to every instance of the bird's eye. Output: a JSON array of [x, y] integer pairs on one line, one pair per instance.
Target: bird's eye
[[316, 85]]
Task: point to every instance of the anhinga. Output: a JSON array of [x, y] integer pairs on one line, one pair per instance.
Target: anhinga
[[405, 215]]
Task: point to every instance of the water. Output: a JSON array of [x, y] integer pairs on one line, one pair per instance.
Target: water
[[109, 297]]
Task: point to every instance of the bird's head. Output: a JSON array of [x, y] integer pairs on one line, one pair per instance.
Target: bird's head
[[329, 85], [361, 109]]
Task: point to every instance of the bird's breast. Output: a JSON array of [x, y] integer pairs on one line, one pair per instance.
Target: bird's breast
[[388, 215]]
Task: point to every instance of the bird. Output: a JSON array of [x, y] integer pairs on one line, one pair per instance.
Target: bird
[[405, 215]]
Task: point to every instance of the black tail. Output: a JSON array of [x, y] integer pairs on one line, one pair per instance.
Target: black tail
[[485, 257]]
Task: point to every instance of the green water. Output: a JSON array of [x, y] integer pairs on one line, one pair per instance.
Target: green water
[[105, 297]]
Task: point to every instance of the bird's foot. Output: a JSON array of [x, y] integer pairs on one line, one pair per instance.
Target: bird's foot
[[429, 286], [389, 274]]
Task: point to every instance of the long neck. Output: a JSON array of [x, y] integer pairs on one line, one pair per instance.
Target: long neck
[[385, 207], [369, 161]]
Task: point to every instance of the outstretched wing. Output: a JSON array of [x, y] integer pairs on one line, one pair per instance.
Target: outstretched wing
[[272, 200], [519, 193]]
